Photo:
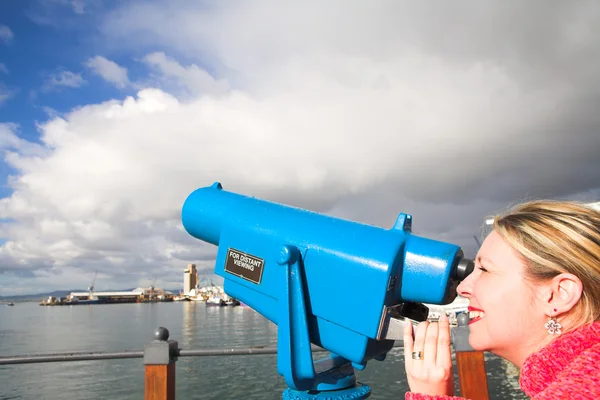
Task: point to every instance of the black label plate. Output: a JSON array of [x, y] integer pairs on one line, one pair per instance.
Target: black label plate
[[244, 265]]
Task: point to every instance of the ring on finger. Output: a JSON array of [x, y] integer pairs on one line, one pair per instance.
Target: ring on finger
[[417, 355]]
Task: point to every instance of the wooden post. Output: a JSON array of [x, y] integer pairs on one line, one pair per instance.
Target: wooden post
[[471, 375], [160, 382], [159, 358], [470, 363]]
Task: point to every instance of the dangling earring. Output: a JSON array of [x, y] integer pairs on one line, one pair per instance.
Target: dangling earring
[[554, 327]]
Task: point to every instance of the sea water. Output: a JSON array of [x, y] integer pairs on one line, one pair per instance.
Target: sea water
[[28, 328]]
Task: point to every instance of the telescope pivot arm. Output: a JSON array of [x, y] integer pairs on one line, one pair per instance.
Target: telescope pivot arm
[[294, 355]]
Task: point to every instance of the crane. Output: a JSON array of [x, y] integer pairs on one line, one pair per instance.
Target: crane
[[91, 288], [152, 287]]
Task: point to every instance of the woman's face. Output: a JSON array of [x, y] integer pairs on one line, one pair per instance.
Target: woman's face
[[506, 318]]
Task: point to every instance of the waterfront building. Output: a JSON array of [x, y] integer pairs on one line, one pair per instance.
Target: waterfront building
[[138, 295], [190, 278]]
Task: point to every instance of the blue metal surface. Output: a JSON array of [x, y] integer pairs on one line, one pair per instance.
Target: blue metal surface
[[358, 392], [426, 276], [321, 279]]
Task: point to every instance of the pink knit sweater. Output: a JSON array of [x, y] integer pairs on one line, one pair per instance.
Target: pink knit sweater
[[568, 368]]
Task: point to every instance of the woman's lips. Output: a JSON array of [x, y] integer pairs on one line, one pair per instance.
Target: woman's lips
[[475, 314]]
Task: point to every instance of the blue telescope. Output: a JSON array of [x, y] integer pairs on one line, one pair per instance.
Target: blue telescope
[[341, 285]]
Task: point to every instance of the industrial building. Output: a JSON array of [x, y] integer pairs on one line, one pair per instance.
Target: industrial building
[[190, 278]]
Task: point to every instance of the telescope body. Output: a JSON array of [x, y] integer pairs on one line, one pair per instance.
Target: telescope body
[[348, 276]]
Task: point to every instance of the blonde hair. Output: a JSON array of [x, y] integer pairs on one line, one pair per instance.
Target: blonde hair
[[555, 237]]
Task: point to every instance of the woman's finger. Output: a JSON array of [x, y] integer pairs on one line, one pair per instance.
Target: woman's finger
[[444, 356], [408, 344], [431, 344], [420, 337]]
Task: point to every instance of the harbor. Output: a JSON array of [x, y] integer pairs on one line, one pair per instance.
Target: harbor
[[212, 295]]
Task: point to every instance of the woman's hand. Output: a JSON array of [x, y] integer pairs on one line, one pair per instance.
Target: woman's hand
[[432, 374]]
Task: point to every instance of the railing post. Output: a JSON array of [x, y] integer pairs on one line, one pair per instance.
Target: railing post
[[470, 363], [159, 360]]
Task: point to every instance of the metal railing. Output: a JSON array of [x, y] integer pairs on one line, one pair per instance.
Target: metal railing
[[73, 356], [92, 356], [161, 354]]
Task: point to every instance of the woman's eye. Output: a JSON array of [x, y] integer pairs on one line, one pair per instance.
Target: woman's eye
[[483, 269]]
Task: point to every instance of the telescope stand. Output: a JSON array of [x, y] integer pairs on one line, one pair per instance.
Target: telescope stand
[[354, 393], [330, 378], [336, 381]]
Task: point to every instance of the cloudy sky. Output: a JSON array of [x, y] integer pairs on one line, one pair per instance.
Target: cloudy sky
[[112, 112]]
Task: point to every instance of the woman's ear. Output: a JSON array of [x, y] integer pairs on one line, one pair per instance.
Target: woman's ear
[[563, 293]]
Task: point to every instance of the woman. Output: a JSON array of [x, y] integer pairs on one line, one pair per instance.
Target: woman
[[534, 299]]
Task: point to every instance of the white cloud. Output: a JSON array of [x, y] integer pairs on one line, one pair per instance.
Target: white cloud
[[363, 113], [109, 71], [6, 93], [9, 140], [78, 6], [6, 34], [3, 96], [195, 80], [63, 79]]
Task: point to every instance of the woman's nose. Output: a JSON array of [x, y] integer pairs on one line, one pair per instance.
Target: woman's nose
[[465, 288]]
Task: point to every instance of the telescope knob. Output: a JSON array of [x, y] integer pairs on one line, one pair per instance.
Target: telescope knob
[[463, 319], [288, 255]]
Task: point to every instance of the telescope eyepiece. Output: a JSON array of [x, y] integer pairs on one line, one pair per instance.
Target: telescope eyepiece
[[464, 268]]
